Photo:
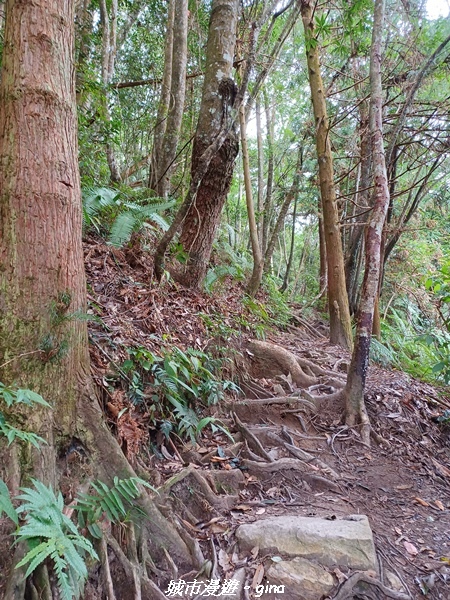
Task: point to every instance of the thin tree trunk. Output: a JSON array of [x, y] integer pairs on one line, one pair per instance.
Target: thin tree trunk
[[83, 30], [164, 100], [258, 263], [362, 199], [109, 49], [291, 194], [259, 144], [270, 127], [168, 149], [340, 324], [285, 284], [354, 391], [323, 266]]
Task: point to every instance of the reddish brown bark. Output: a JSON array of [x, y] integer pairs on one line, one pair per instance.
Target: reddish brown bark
[[43, 340]]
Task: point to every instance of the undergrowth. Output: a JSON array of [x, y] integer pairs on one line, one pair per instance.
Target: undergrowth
[[43, 522], [117, 213], [176, 388]]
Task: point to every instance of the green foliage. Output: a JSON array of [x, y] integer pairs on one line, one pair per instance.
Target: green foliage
[[439, 288], [113, 503], [180, 384], [18, 396], [121, 212], [50, 533]]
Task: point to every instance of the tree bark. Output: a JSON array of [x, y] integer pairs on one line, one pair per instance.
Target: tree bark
[[260, 150], [340, 324], [258, 261], [43, 337], [168, 149], [270, 128], [354, 391], [109, 49], [214, 151], [164, 100]]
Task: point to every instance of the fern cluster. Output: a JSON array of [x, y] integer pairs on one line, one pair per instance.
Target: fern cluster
[[180, 384], [121, 212], [52, 536]]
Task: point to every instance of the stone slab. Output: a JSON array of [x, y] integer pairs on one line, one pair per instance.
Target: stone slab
[[346, 542]]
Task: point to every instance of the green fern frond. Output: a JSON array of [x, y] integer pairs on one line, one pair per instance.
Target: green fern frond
[[115, 502], [6, 506]]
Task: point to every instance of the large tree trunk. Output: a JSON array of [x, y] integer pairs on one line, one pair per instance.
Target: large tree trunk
[[354, 391], [43, 337], [340, 324], [214, 151]]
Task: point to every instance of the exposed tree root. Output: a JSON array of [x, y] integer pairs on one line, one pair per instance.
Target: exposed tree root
[[347, 592], [284, 464], [269, 360], [309, 459], [252, 440], [273, 400], [144, 588]]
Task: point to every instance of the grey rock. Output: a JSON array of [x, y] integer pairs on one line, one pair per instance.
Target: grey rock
[[344, 542], [302, 580]]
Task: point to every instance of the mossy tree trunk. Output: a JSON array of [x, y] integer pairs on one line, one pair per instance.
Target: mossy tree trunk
[[43, 340]]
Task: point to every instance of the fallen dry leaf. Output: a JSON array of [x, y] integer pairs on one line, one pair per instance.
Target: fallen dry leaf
[[224, 560], [258, 576], [420, 501], [410, 548], [439, 504]]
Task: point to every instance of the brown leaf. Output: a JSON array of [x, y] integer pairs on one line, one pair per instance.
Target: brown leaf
[[439, 504], [420, 501], [410, 548], [254, 552], [224, 560], [258, 576]]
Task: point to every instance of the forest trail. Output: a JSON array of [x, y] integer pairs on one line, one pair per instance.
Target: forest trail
[[402, 485]]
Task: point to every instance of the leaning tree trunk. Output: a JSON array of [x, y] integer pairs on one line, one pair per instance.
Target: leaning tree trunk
[[340, 324], [214, 151], [354, 391], [43, 337]]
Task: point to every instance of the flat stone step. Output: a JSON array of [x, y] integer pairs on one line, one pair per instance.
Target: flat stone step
[[346, 542]]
